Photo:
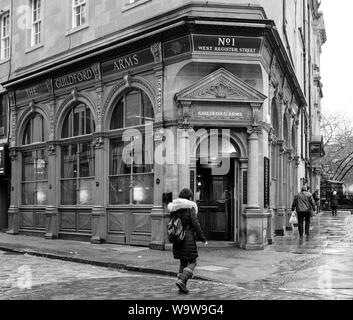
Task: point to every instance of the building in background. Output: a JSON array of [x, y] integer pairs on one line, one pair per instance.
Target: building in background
[[79, 73]]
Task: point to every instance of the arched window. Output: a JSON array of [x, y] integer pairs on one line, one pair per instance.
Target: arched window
[[132, 109], [274, 118], [131, 177], [35, 162], [78, 158], [294, 140], [285, 131]]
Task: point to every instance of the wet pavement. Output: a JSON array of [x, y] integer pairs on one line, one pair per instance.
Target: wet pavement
[[321, 268]]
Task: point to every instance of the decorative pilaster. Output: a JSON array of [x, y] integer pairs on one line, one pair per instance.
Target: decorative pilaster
[[159, 218], [98, 211], [255, 220], [51, 212], [13, 212], [281, 211]]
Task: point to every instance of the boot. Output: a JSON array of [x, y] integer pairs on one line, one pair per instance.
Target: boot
[[183, 279]]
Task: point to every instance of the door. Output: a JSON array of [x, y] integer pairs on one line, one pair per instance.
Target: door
[[215, 202]]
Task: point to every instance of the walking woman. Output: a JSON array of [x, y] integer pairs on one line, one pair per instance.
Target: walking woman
[[186, 250]]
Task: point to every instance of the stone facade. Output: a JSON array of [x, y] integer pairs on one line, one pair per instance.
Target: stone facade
[[231, 69]]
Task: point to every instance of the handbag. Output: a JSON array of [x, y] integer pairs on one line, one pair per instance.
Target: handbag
[[293, 219]]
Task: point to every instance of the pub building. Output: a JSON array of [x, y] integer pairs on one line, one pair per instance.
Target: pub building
[[210, 73]]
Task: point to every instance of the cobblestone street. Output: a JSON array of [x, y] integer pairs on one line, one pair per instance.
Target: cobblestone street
[[52, 279], [321, 268]]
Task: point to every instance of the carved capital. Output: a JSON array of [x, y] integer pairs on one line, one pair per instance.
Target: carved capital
[[254, 131], [51, 149], [127, 80], [13, 154], [98, 143], [74, 94], [97, 71], [156, 50]]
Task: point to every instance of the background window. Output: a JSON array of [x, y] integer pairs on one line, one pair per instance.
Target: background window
[[5, 36], [78, 13], [36, 130], [36, 31]]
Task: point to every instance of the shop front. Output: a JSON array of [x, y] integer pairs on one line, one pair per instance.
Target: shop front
[[95, 146]]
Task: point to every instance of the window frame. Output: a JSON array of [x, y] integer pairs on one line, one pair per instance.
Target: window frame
[[36, 181], [116, 134], [78, 141], [34, 146], [5, 39], [37, 22], [83, 13]]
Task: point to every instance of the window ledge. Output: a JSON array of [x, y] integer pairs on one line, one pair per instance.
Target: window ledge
[[129, 6], [77, 29], [2, 61], [36, 47]]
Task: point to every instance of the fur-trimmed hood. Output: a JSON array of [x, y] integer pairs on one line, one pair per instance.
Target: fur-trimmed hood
[[180, 203]]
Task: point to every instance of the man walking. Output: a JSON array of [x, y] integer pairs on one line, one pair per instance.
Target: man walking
[[303, 203]]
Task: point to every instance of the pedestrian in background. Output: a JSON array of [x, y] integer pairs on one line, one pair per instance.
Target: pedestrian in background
[[316, 196], [303, 204], [334, 203], [186, 250]]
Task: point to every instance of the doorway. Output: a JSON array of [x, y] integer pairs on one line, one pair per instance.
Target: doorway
[[215, 195]]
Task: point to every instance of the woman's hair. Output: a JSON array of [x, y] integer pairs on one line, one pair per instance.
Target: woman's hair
[[186, 194]]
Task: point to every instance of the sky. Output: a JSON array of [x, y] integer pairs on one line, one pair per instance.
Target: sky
[[337, 58]]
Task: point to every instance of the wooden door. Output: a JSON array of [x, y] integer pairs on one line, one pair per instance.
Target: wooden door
[[215, 204]]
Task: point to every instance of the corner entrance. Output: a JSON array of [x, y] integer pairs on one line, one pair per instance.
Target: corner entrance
[[215, 195]]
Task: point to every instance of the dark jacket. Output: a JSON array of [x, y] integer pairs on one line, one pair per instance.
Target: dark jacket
[[303, 202], [187, 211], [334, 201]]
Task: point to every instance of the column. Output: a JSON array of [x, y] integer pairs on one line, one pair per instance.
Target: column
[[280, 221], [13, 212], [159, 216], [98, 210], [253, 172], [51, 211], [255, 219]]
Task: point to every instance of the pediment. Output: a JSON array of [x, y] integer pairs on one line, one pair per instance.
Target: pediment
[[221, 85]]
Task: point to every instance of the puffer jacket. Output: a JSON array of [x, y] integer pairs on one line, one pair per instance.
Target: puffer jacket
[[303, 202], [187, 211], [334, 201]]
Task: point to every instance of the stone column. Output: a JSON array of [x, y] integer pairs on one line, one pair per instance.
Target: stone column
[[159, 217], [51, 211], [13, 211], [255, 219], [253, 171], [98, 210], [280, 221]]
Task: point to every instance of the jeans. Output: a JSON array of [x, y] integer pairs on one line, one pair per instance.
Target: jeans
[[301, 217], [334, 211], [191, 264]]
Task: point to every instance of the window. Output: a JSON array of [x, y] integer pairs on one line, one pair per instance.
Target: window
[[78, 158], [131, 177], [36, 28], [35, 163], [78, 13], [133, 109], [3, 114], [5, 36]]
